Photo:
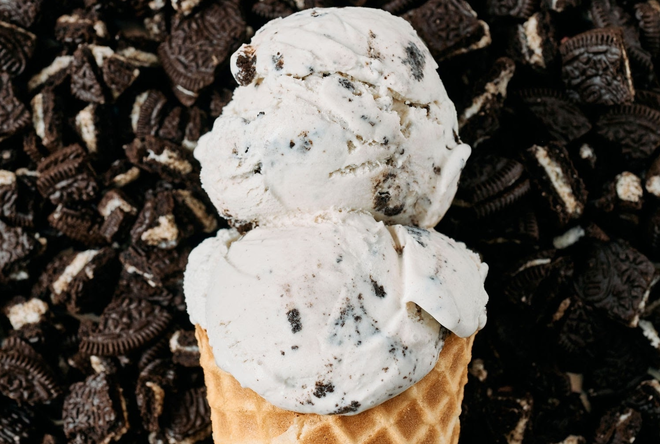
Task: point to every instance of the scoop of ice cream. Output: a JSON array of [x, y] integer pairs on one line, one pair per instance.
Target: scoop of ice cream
[[339, 108], [332, 313]]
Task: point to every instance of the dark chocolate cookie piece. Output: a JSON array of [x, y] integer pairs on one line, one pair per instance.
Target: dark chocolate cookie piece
[[16, 48], [595, 67], [52, 75], [17, 423], [67, 176], [606, 13], [562, 119], [17, 198], [79, 224], [188, 416], [47, 118], [491, 184], [95, 411], [135, 285], [650, 99], [480, 118], [512, 8], [219, 99], [94, 125], [118, 215], [21, 13], [523, 280], [126, 324], [449, 27], [149, 110], [121, 173], [272, 9], [580, 331], [157, 267], [119, 73], [534, 42], [80, 27], [14, 115], [184, 348], [83, 280], [632, 130], [154, 387], [615, 278], [648, 17], [16, 246], [86, 77], [557, 180], [623, 193], [156, 225], [24, 376], [198, 44], [168, 160], [509, 413]]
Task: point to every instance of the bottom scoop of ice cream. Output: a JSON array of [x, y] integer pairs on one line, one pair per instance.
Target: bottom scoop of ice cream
[[333, 313]]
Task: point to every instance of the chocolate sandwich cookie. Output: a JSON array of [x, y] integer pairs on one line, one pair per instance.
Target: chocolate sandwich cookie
[[16, 48], [272, 9], [126, 324], [184, 348], [170, 161], [82, 280], [595, 67], [188, 416], [67, 176], [449, 27], [480, 118], [23, 14], [78, 223], [197, 45], [605, 13], [118, 215], [18, 197], [614, 278], [14, 115], [47, 118], [18, 246], [24, 375], [519, 8], [81, 26], [52, 75], [534, 42], [648, 17], [557, 115], [95, 410], [17, 423], [557, 181], [86, 77], [631, 130], [155, 385], [491, 184]]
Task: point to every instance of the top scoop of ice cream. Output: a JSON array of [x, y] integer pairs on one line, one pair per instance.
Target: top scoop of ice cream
[[338, 108], [333, 313]]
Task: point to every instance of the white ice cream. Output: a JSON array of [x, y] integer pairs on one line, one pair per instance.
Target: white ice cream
[[320, 314], [341, 108]]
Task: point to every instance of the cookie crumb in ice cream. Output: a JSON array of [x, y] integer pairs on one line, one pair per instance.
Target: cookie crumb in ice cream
[[293, 316]]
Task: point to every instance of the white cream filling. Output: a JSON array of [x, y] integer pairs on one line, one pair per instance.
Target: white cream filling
[[568, 238], [649, 331], [209, 222], [175, 346], [653, 185], [629, 187], [79, 262], [137, 106], [587, 152], [38, 115], [86, 127], [124, 179], [30, 312], [492, 89], [171, 159], [59, 64], [7, 178], [533, 41], [558, 180], [163, 235], [113, 204]]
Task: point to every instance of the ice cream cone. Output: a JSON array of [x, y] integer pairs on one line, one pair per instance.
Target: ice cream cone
[[426, 413]]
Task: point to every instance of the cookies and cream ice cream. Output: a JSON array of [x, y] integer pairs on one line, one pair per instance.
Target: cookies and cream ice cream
[[333, 313], [341, 147], [337, 108]]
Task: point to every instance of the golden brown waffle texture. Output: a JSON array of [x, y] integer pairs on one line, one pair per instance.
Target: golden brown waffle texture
[[426, 413]]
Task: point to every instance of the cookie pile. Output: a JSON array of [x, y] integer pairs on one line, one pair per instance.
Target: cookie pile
[[102, 101]]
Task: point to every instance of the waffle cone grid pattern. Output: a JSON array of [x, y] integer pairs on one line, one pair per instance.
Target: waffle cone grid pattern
[[426, 413]]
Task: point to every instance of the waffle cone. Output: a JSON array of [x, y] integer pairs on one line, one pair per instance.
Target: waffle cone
[[426, 413]]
